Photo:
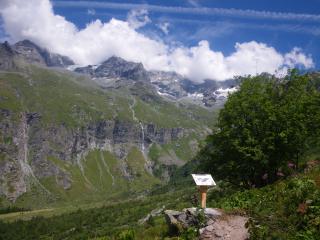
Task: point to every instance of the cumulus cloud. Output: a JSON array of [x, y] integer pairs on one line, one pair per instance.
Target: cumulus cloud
[[297, 57], [138, 18], [100, 40], [164, 27]]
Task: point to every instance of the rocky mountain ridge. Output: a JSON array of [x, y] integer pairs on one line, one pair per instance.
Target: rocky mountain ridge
[[167, 84], [65, 136], [170, 85], [32, 144], [31, 53]]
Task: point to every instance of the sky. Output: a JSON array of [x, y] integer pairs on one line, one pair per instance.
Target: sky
[[200, 39]]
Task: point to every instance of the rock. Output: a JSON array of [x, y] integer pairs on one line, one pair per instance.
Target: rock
[[216, 224], [32, 53], [154, 213], [212, 212], [29, 142], [6, 57], [175, 227], [29, 52], [180, 221], [227, 227], [116, 67]]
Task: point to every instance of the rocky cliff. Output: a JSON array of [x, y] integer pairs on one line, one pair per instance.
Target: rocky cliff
[[11, 56], [63, 137], [28, 143], [67, 136]]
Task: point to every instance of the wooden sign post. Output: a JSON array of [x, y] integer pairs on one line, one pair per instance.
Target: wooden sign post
[[203, 181]]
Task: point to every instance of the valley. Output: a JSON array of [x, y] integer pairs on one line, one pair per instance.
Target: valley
[[101, 151], [69, 137]]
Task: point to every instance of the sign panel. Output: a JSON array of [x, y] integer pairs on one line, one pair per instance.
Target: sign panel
[[203, 179]]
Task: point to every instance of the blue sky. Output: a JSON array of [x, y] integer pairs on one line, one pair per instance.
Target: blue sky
[[222, 31], [197, 38]]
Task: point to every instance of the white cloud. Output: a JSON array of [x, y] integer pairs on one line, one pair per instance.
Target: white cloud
[[91, 11], [164, 27], [138, 18], [98, 41], [297, 57]]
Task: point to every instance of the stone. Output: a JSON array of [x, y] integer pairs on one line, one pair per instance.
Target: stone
[[218, 225], [212, 212], [153, 213]]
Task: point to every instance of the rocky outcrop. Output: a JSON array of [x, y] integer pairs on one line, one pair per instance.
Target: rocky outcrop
[[211, 223], [32, 53], [27, 51], [27, 144], [154, 213], [116, 72], [6, 57], [24, 156], [116, 67]]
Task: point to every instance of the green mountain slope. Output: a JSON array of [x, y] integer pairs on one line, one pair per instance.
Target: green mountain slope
[[64, 138]]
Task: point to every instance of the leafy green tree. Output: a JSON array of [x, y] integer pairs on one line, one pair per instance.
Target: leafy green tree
[[263, 130]]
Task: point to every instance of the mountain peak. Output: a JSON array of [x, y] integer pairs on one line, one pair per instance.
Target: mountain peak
[[118, 61], [116, 67], [33, 53], [115, 59], [6, 56], [27, 43]]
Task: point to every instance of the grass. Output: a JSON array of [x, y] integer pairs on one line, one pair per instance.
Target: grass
[[273, 211], [287, 209], [94, 220], [73, 100], [62, 98]]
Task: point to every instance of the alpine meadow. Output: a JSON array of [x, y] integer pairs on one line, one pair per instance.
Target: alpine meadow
[[138, 120]]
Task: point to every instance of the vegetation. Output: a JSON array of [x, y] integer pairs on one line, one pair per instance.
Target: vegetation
[[264, 130], [70, 101], [288, 209], [265, 150], [112, 221]]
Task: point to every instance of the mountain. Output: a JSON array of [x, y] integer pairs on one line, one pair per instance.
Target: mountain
[[116, 67], [170, 85], [28, 52], [210, 93], [65, 136], [6, 57]]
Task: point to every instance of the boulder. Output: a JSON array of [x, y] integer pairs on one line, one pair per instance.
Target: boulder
[[212, 223]]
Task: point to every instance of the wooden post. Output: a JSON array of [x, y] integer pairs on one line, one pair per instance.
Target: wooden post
[[203, 194]]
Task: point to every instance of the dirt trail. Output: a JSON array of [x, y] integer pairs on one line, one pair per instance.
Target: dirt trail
[[226, 227]]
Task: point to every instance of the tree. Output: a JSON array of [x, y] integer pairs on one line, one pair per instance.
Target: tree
[[263, 130]]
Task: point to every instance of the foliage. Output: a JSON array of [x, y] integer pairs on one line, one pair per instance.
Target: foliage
[[263, 130], [127, 235], [65, 100], [111, 220], [11, 209], [285, 210], [190, 234]]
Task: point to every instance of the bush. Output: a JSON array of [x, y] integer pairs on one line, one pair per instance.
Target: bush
[[127, 235]]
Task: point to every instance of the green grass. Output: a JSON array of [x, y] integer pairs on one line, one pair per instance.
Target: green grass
[[103, 219], [142, 179], [75, 101], [273, 211], [168, 114], [62, 98], [288, 209]]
